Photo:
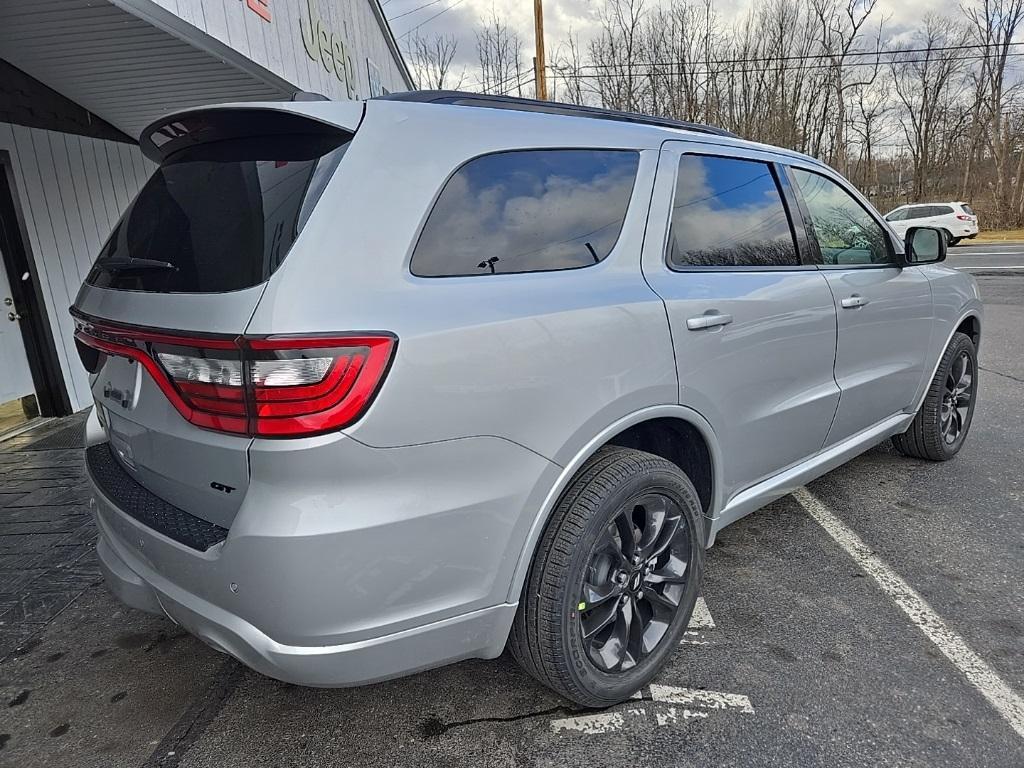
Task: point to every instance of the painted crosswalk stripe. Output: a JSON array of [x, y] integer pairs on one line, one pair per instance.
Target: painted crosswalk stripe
[[978, 673]]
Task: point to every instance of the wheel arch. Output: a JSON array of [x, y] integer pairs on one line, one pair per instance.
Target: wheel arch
[[669, 431], [969, 322], [970, 325]]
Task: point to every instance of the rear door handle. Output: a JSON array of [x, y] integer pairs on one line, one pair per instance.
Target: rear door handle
[[707, 321], [854, 301]]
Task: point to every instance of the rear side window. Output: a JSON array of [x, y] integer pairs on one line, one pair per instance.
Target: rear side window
[[527, 211], [218, 217], [728, 213], [942, 210]]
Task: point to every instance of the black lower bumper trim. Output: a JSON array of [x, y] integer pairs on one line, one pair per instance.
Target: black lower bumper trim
[[145, 506]]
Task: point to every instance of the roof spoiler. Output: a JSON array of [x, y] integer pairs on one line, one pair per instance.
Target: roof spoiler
[[182, 130]]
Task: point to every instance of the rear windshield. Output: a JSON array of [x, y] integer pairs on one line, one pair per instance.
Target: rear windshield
[[219, 217], [967, 209]]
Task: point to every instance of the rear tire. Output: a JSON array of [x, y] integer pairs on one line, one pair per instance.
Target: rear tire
[[954, 241], [941, 424], [599, 558]]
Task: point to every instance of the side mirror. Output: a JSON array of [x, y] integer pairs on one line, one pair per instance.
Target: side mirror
[[924, 245]]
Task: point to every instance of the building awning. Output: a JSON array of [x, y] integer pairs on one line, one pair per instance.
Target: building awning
[[128, 61]]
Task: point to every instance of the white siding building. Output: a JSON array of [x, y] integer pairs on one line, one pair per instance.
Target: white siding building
[[79, 79]]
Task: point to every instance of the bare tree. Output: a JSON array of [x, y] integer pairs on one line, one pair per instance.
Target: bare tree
[[940, 117], [432, 60], [995, 24], [500, 52], [928, 86]]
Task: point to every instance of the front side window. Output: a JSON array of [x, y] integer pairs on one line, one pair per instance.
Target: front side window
[[846, 232], [900, 215], [728, 213], [527, 211]]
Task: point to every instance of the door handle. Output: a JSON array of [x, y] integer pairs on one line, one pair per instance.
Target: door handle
[[13, 317], [707, 321], [854, 301]]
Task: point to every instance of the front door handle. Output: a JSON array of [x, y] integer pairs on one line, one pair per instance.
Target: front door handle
[[852, 302], [707, 321]]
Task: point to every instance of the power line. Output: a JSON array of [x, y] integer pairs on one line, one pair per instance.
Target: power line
[[807, 56], [652, 69], [417, 8], [444, 10]]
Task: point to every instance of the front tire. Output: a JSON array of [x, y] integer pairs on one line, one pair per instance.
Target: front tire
[[614, 579], [941, 424]]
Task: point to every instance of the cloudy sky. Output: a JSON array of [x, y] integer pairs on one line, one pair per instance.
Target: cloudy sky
[[459, 17]]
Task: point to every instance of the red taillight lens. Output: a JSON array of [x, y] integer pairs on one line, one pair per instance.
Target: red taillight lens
[[314, 384], [209, 381], [962, 217], [283, 386]]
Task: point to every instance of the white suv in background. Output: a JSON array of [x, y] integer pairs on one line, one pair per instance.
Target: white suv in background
[[957, 219]]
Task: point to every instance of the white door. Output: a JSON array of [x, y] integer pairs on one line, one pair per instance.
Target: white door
[[15, 376]]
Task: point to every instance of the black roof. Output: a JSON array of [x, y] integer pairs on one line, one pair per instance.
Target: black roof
[[466, 99]]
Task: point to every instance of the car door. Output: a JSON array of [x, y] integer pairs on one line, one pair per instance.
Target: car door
[[753, 326], [884, 308]]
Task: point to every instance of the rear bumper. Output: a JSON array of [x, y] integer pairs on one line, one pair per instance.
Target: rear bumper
[[478, 634], [345, 564]]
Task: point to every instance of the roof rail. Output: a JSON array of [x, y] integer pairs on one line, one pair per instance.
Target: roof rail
[[466, 99]]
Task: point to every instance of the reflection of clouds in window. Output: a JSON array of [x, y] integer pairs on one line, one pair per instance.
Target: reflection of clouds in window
[[528, 211], [729, 212], [846, 232]]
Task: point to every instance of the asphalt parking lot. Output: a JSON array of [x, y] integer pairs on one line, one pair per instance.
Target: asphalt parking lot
[[809, 649]]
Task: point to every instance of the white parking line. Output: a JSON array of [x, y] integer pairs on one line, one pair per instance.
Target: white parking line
[[701, 618], [978, 673], [705, 699], [700, 623], [695, 704]]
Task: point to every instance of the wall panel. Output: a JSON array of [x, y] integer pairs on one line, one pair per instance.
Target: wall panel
[[71, 190]]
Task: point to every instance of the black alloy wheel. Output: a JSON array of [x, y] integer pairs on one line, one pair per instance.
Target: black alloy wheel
[[940, 425], [956, 399], [613, 580], [634, 582]]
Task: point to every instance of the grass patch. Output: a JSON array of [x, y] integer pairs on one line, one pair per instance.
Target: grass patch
[[998, 236]]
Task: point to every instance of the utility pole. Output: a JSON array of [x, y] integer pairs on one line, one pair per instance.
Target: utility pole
[[539, 69]]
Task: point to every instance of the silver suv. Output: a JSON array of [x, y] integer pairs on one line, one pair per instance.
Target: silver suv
[[381, 386]]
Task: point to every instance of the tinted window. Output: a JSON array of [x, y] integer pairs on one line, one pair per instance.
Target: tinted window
[[941, 210], [527, 211], [729, 213], [218, 217], [967, 209], [900, 215], [846, 233]]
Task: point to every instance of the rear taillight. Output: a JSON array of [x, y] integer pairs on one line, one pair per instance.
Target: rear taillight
[[962, 217], [314, 384], [276, 386]]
